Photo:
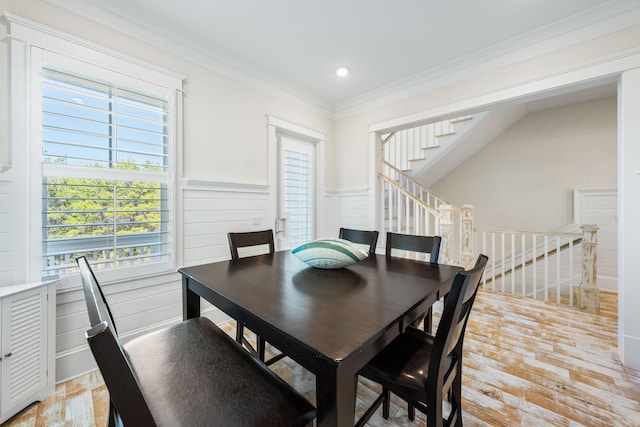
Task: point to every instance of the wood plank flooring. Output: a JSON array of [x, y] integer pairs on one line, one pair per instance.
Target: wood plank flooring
[[527, 363]]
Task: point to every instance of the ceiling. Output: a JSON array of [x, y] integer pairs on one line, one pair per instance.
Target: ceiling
[[297, 45]]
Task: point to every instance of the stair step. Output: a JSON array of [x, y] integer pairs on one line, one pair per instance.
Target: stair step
[[445, 134], [431, 147], [460, 119]]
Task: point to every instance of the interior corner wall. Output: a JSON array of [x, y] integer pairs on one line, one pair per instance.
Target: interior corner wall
[[524, 179], [629, 223]]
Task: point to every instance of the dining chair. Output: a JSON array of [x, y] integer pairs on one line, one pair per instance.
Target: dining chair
[[190, 373], [362, 237], [414, 243], [423, 369], [244, 240], [250, 238]]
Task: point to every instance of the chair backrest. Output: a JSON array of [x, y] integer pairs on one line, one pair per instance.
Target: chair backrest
[[124, 392], [409, 242], [97, 306], [250, 238], [453, 322], [362, 237]]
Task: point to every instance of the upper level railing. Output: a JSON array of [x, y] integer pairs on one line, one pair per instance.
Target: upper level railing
[[534, 264]]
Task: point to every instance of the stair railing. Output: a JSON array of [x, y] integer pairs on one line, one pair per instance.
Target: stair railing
[[427, 196], [409, 211], [534, 264]]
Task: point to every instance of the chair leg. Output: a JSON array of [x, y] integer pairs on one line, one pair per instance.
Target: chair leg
[[411, 411], [428, 321], [239, 332], [372, 409], [262, 346], [455, 397], [386, 403]]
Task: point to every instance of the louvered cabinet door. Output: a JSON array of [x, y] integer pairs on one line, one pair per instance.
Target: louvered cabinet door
[[24, 347]]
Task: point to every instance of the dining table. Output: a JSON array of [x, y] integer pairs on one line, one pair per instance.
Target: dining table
[[330, 321]]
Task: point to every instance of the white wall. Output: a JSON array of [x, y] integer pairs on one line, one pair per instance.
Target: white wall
[[4, 99], [224, 141], [524, 179], [629, 223]]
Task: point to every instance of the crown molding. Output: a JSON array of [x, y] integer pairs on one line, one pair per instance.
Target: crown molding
[[589, 25], [234, 70], [27, 30], [610, 17]]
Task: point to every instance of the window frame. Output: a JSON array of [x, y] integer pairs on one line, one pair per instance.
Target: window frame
[[58, 51]]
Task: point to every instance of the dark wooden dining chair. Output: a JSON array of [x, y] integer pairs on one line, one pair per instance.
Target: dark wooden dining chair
[[423, 369], [244, 240], [250, 238], [414, 243], [362, 237], [191, 373]]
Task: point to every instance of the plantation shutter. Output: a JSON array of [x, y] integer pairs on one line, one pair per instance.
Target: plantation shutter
[[105, 174], [298, 194]]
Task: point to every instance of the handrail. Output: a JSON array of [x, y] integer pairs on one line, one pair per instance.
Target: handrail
[[539, 233], [407, 193], [436, 195], [531, 261], [384, 141]]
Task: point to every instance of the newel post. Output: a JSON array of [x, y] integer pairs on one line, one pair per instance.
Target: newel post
[[467, 236], [589, 292], [445, 214]]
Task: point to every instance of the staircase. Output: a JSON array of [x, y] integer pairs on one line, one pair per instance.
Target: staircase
[[408, 207], [412, 150], [539, 265]]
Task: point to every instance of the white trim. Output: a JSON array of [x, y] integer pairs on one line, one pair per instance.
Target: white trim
[[288, 127], [244, 73], [58, 41], [275, 128], [194, 184], [588, 74], [348, 191], [594, 23]]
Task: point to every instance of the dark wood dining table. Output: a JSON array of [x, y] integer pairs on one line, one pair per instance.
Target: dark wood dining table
[[332, 322]]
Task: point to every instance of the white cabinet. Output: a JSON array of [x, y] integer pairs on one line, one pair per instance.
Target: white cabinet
[[27, 346]]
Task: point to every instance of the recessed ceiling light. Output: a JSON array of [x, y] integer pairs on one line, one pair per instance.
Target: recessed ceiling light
[[342, 72]]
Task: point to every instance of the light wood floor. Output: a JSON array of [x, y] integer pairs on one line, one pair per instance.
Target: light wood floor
[[528, 363]]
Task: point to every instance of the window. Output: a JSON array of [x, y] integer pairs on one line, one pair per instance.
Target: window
[[104, 154], [103, 132], [105, 180]]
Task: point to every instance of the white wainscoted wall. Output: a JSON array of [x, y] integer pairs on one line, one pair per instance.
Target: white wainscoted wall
[[350, 209], [209, 211], [5, 230]]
